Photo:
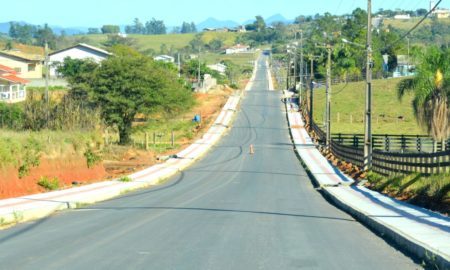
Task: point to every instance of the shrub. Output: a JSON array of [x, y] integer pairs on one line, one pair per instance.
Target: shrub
[[125, 179], [91, 158], [49, 184]]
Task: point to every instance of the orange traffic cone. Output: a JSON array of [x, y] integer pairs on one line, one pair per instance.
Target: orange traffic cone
[[252, 151]]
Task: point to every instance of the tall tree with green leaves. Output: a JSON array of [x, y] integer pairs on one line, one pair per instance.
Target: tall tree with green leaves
[[129, 83], [260, 24], [431, 89]]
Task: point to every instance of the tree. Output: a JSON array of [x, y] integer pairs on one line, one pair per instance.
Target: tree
[[431, 89], [155, 27], [23, 33], [185, 28], [45, 35], [78, 73], [193, 28], [259, 24], [93, 31], [215, 44], [110, 29], [114, 40], [129, 83]]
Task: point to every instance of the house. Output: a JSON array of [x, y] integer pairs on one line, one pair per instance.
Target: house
[[221, 68], [441, 13], [209, 29], [404, 67], [26, 65], [237, 49], [402, 17], [12, 87], [79, 51], [165, 58]]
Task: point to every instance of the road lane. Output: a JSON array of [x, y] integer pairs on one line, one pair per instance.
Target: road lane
[[232, 210]]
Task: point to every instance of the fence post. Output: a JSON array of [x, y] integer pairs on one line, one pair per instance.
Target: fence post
[[173, 139], [146, 141], [154, 138], [418, 144], [403, 143]]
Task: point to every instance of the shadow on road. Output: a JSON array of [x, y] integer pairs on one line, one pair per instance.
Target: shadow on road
[[220, 210]]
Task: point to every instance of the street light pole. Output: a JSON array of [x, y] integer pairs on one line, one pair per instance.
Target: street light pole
[[368, 113]]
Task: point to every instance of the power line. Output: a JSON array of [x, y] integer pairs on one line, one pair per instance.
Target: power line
[[415, 26]]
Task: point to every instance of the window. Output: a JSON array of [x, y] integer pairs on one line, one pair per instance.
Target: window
[[18, 69], [31, 67]]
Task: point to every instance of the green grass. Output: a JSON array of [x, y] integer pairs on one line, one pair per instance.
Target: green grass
[[241, 59], [14, 145], [154, 42], [429, 191], [348, 101]]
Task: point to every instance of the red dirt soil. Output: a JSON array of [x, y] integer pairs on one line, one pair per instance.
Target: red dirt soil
[[67, 170], [74, 168]]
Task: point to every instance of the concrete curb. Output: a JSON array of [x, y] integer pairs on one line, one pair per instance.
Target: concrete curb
[[27, 208], [414, 241], [432, 256]]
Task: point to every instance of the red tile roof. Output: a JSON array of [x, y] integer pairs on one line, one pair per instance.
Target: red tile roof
[[13, 78], [7, 69]]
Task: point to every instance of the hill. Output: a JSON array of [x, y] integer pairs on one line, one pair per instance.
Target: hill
[[154, 42]]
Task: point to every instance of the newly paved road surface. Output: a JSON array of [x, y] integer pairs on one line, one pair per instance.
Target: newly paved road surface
[[231, 210]]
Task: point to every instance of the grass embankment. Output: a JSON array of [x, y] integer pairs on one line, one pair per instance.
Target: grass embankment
[[389, 115], [21, 148], [432, 192], [408, 24]]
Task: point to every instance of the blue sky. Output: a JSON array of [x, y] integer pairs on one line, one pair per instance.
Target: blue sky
[[98, 12]]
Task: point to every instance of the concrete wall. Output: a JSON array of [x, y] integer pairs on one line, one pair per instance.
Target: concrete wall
[[16, 64]]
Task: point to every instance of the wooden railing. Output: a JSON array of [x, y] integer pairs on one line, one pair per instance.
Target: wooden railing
[[392, 154]]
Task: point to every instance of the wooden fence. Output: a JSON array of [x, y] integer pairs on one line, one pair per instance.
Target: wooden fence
[[392, 154]]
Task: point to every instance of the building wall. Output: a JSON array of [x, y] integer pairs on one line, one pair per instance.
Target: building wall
[[74, 53], [23, 67]]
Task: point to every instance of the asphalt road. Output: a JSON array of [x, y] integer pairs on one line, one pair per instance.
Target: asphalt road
[[232, 210]]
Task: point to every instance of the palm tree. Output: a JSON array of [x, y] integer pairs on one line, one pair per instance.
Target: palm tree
[[431, 89]]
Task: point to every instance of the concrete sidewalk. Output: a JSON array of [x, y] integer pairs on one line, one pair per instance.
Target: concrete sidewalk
[[421, 232]]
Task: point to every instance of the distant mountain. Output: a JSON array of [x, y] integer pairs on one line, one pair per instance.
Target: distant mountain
[[272, 19], [277, 18], [214, 23]]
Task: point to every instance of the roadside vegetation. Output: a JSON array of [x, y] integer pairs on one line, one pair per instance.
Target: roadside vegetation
[[431, 192], [390, 115]]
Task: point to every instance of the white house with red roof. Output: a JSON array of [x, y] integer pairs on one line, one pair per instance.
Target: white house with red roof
[[12, 88]]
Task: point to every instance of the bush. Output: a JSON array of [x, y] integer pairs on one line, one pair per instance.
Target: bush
[[125, 179], [91, 158], [49, 184]]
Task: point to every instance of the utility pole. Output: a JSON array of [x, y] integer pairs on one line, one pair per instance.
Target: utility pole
[[328, 97], [47, 71], [179, 66], [301, 70], [288, 69], [295, 62], [199, 74], [311, 89], [368, 113]]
